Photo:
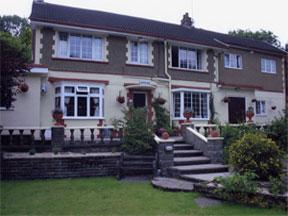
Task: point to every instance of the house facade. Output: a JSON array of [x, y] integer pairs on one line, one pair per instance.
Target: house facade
[[85, 59]]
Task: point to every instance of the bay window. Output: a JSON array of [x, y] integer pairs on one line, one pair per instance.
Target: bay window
[[139, 52], [80, 101], [79, 46], [232, 61], [192, 100], [186, 58]]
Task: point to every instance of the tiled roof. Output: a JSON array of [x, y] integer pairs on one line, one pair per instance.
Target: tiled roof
[[52, 13]]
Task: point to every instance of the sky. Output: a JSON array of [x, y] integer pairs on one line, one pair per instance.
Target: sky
[[216, 15]]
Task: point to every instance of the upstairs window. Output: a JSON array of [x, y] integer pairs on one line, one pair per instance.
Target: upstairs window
[[260, 108], [80, 46], [268, 66], [233, 61], [139, 52], [186, 58]]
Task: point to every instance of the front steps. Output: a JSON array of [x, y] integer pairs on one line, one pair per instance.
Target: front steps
[[191, 165], [136, 165]]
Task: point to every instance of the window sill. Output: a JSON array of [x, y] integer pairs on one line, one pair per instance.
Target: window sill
[[190, 70], [4, 109], [269, 73], [234, 68], [192, 119], [83, 118], [139, 65], [80, 60]]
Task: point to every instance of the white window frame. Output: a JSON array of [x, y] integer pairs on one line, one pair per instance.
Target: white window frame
[[89, 95], [138, 62], [230, 63], [199, 65], [182, 91], [94, 38], [268, 66], [261, 108]]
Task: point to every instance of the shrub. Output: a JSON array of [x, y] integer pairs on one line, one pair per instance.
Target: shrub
[[254, 152], [278, 131], [232, 134], [138, 137], [239, 183], [162, 118], [276, 185]]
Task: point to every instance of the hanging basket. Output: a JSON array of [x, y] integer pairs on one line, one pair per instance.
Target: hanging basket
[[23, 87], [160, 101], [226, 100], [121, 99]]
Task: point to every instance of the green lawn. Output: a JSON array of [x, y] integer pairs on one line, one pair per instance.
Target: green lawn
[[106, 196]]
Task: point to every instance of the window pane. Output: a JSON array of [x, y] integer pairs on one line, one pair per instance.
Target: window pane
[[82, 106], [191, 58], [75, 44], [94, 107], [258, 107], [196, 104], [134, 52], [183, 58], [263, 107], [187, 100], [263, 65], [69, 106], [175, 57], [57, 102], [94, 90], [98, 49], [199, 59], [226, 60], [176, 104], [273, 66], [57, 90], [239, 61], [69, 89], [87, 47], [144, 53], [63, 44], [204, 105]]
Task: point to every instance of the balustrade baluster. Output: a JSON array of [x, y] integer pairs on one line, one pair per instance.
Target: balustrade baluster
[[101, 134], [205, 131], [11, 137], [198, 129], [21, 137], [72, 136], [92, 134]]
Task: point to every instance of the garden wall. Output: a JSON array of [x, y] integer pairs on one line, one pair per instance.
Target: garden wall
[[48, 165]]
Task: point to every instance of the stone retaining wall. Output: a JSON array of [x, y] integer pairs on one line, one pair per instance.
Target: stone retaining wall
[[44, 166]]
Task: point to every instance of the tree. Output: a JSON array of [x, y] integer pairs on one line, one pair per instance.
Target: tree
[[13, 62], [13, 24], [261, 35]]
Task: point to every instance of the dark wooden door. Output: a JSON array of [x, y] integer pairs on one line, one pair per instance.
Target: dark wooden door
[[236, 110], [139, 100]]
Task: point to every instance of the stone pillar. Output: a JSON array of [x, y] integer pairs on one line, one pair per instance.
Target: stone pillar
[[214, 149], [184, 127], [57, 137], [165, 155]]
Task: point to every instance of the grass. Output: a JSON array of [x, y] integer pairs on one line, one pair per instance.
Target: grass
[[107, 196]]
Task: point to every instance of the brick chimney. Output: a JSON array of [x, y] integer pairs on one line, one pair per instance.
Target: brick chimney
[[187, 21], [38, 1], [286, 47]]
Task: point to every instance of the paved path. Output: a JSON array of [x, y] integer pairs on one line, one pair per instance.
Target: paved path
[[172, 184]]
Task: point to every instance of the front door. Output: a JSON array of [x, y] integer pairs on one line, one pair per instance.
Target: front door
[[236, 110], [139, 99]]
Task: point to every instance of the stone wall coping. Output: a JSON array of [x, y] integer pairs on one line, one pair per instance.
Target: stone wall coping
[[198, 134], [215, 138], [160, 140], [59, 155]]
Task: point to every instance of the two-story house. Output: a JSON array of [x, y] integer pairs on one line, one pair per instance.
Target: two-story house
[[84, 59]]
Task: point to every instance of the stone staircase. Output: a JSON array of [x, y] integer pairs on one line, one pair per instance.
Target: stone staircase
[[191, 165]]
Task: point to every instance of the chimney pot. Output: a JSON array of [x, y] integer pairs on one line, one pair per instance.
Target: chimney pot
[[187, 21]]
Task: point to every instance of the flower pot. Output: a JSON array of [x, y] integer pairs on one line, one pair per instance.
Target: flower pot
[[214, 133], [58, 117], [187, 115], [165, 135], [23, 87], [121, 99], [249, 115]]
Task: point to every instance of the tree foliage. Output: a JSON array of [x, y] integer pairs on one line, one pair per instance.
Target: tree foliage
[[261, 35], [15, 50]]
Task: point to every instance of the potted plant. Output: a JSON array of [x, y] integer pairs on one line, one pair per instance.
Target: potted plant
[[57, 115], [250, 114], [120, 99], [165, 135], [214, 132], [188, 114], [23, 87], [226, 99]]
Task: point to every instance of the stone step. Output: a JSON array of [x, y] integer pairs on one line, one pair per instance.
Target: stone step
[[183, 146], [172, 184], [178, 161], [187, 153], [177, 171], [204, 177]]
